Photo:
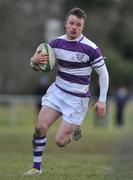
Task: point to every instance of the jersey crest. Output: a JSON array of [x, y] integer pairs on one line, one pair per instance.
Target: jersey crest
[[80, 56]]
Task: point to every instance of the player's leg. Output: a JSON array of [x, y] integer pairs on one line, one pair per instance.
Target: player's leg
[[64, 133], [46, 118], [73, 113]]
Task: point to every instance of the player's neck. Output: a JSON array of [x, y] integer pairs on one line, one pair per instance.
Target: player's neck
[[76, 39]]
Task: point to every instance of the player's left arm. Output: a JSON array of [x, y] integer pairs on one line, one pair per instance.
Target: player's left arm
[[100, 105]]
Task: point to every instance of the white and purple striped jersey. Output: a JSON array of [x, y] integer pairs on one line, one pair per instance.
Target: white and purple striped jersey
[[76, 59]]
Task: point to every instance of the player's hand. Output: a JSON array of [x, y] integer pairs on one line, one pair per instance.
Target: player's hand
[[100, 109], [40, 58]]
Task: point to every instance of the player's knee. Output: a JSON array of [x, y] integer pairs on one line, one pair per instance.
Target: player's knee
[[60, 142], [41, 129]]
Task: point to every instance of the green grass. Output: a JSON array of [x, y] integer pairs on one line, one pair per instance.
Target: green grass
[[101, 154]]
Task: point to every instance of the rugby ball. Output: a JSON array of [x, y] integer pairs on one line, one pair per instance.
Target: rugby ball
[[45, 48]]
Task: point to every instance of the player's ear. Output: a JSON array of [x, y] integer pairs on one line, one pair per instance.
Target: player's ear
[[83, 27]]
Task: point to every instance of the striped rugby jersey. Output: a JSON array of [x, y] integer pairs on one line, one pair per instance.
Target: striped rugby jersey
[[76, 59]]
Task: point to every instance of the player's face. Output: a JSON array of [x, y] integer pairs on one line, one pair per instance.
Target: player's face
[[74, 27]]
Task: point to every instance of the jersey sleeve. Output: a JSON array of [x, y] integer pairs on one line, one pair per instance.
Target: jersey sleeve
[[96, 58], [103, 82]]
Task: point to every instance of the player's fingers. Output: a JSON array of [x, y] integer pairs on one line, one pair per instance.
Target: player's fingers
[[101, 112], [43, 59], [96, 110]]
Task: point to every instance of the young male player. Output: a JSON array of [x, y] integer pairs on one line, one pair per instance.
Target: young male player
[[68, 96]]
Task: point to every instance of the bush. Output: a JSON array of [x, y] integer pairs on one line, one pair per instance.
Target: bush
[[120, 71]]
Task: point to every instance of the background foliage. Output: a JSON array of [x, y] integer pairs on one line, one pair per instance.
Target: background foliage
[[22, 22]]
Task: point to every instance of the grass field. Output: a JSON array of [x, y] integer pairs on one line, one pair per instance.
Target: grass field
[[103, 153]]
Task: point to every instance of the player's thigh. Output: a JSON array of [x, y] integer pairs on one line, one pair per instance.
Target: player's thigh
[[65, 130], [47, 116]]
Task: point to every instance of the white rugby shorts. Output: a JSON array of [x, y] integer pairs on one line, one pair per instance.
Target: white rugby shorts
[[73, 108]]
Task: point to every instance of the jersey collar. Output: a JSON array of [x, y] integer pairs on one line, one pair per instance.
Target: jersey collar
[[75, 40]]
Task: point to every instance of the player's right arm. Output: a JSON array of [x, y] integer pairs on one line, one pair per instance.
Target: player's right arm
[[39, 57]]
